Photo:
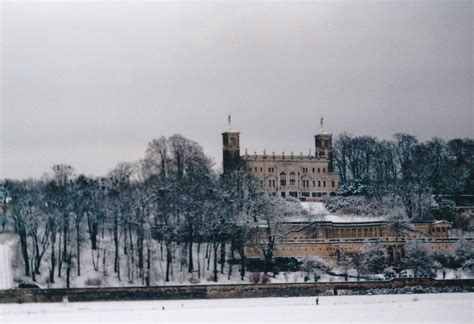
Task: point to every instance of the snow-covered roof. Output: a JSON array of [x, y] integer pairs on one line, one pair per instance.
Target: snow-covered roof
[[318, 212], [315, 208]]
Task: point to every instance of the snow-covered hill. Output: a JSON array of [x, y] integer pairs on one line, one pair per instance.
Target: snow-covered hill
[[6, 273]]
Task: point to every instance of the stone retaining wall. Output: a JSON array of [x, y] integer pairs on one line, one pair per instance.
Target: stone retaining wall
[[213, 291]]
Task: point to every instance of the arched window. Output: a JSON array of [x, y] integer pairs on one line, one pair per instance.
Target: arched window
[[283, 180]]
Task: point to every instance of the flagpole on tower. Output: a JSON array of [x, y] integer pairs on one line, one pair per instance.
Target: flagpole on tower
[[229, 121], [322, 124]]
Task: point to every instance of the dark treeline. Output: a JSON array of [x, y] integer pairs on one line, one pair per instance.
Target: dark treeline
[[412, 170], [171, 201]]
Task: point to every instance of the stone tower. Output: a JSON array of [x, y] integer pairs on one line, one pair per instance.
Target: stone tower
[[323, 149], [230, 150]]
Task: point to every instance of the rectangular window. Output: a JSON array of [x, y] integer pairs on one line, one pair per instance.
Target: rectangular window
[[319, 170], [305, 170], [333, 184], [261, 169], [324, 170], [255, 169], [271, 183], [314, 184], [313, 170], [319, 183], [305, 184], [292, 182], [324, 183]]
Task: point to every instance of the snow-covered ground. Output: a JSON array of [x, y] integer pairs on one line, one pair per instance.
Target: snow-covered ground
[[419, 308], [6, 276], [318, 212]]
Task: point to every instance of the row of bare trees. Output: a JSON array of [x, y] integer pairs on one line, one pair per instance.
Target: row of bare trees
[[413, 170], [172, 200]]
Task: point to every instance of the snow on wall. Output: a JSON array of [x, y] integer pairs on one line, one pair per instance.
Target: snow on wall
[[319, 212]]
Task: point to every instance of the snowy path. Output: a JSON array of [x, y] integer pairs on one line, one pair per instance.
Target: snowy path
[[6, 280], [416, 308]]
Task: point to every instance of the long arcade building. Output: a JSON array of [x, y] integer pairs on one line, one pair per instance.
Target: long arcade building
[[326, 238]]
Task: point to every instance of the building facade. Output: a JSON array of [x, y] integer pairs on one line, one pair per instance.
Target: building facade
[[306, 177], [327, 239]]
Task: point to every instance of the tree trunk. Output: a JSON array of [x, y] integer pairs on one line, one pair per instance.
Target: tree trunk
[[60, 260], [190, 255], [65, 236], [68, 271], [33, 272], [104, 267], [94, 235], [168, 261], [36, 264], [78, 246], [198, 259], [140, 250], [242, 263], [208, 255], [53, 258], [268, 255], [132, 255], [222, 258], [116, 243], [24, 251], [230, 270], [216, 247], [148, 266]]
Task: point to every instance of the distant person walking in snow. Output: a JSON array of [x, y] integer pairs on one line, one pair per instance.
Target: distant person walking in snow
[[444, 274], [317, 301]]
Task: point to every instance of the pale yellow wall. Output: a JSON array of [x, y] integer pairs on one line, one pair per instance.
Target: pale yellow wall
[[266, 168], [302, 249]]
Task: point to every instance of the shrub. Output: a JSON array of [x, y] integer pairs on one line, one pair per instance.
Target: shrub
[[94, 282], [279, 264], [194, 280], [266, 279], [418, 258], [254, 277]]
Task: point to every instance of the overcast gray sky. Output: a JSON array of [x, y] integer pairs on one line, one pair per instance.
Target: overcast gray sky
[[91, 83]]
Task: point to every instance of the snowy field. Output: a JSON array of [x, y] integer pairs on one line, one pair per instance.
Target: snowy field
[[419, 308]]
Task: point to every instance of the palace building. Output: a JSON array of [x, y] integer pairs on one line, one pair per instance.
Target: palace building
[[309, 178], [306, 177]]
